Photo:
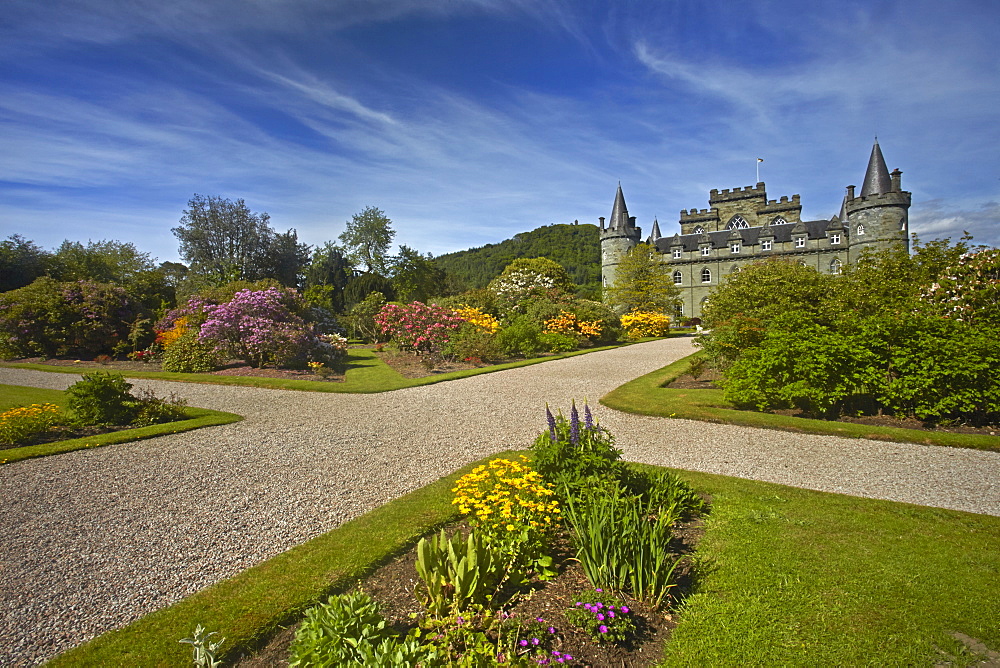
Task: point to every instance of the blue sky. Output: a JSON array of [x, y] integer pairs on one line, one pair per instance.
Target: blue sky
[[470, 121]]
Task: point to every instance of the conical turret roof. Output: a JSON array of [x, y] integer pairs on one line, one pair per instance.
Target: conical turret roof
[[877, 180], [655, 234], [619, 213]]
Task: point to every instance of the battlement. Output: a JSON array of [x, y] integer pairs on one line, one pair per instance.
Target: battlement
[[698, 215], [746, 192], [885, 199], [784, 204]]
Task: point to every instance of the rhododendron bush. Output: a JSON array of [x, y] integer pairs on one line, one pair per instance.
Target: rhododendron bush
[[262, 327], [422, 328]]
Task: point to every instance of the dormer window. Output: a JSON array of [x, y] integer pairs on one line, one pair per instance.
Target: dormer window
[[706, 250], [738, 223], [765, 244], [677, 252], [699, 230], [800, 242], [734, 247], [678, 278], [861, 230], [834, 239]]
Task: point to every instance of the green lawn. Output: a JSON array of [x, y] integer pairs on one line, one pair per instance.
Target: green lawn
[[16, 395], [366, 373], [788, 577], [647, 395]]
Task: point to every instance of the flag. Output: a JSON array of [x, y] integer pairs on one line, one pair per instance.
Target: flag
[[760, 159]]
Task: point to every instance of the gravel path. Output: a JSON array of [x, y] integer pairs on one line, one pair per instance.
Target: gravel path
[[97, 538]]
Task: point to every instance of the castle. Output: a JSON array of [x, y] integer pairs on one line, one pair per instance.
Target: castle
[[742, 225]]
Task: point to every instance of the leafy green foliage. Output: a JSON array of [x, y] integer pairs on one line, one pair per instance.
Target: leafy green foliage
[[21, 262], [525, 278], [203, 648], [367, 238], [575, 247], [575, 455], [189, 355], [457, 573], [415, 277], [362, 316], [522, 336], [102, 398], [349, 630], [643, 282]]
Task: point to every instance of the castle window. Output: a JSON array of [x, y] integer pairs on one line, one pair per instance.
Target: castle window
[[734, 247], [800, 242], [706, 250], [699, 230], [706, 275], [902, 223], [678, 278], [765, 244], [834, 266], [779, 221], [677, 252], [861, 230], [834, 238], [738, 223], [735, 270]]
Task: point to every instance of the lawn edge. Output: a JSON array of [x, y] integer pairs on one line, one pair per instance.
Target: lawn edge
[[646, 395]]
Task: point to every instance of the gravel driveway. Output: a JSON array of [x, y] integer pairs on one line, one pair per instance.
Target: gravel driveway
[[94, 539]]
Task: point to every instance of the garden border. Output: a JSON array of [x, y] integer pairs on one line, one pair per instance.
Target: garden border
[[648, 395]]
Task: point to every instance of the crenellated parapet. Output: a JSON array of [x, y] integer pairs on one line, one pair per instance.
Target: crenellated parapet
[[736, 194]]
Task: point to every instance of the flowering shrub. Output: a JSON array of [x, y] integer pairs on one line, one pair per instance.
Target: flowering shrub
[[599, 615], [262, 327], [20, 424], [568, 323], [640, 324], [475, 316], [171, 336], [511, 506], [576, 454], [417, 326], [970, 291]]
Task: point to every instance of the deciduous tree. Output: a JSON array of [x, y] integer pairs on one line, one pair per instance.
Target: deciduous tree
[[642, 283], [367, 239]]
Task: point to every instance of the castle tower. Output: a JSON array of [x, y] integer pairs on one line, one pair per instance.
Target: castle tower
[[879, 217], [620, 236]]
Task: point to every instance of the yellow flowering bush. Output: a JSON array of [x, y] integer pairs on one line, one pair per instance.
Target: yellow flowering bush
[[170, 336], [19, 424], [568, 323], [640, 324], [511, 506], [475, 316]]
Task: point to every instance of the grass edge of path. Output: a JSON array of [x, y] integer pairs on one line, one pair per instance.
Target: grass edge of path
[[647, 395]]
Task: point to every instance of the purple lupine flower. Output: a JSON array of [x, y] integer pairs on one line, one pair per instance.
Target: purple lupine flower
[[574, 425], [552, 423], [588, 418]]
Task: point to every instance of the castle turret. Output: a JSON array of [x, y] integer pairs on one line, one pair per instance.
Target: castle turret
[[620, 236], [879, 217]]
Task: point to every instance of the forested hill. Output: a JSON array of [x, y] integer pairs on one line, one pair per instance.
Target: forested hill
[[576, 247]]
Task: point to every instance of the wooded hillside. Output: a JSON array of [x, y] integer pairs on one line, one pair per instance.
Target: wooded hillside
[[576, 247]]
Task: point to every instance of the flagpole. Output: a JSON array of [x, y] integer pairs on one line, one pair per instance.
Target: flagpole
[[759, 160]]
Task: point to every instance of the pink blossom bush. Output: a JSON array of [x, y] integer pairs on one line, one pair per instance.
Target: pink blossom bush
[[422, 328], [262, 327]]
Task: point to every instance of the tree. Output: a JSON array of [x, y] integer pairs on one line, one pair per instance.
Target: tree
[[415, 277], [21, 262], [526, 277], [225, 241], [120, 263], [367, 239], [326, 277], [643, 282]]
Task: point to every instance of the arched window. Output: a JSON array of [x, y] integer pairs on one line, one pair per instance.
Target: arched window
[[834, 266], [735, 269], [678, 278], [737, 223], [699, 230], [902, 223], [706, 275], [779, 221], [861, 230]]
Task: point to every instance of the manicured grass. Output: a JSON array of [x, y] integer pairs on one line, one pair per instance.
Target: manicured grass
[[16, 395], [366, 373], [788, 577], [797, 577], [647, 395]]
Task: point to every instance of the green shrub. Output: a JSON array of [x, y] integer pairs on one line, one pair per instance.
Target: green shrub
[[554, 342], [520, 337], [188, 355], [102, 398], [458, 573], [471, 343], [150, 409], [349, 630]]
